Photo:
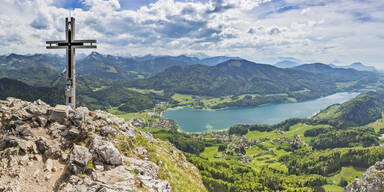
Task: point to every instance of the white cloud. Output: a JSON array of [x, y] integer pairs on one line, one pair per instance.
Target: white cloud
[[260, 30]]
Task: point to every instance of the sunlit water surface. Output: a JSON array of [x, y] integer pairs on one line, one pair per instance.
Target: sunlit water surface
[[198, 120]]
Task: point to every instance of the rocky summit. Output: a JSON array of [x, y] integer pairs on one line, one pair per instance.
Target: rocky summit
[[372, 181], [57, 149]]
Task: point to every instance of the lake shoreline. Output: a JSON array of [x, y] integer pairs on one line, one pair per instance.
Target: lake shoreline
[[213, 124]]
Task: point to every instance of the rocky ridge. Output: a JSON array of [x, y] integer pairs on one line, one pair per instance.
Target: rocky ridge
[[57, 149], [372, 181]]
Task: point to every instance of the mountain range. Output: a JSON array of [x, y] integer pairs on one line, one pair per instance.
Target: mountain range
[[335, 74], [106, 66], [102, 78], [117, 67], [235, 77], [357, 66]]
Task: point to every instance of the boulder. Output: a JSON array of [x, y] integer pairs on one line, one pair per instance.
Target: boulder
[[55, 129], [73, 133], [108, 130], [23, 146], [42, 145], [59, 114], [42, 121], [79, 158], [106, 152], [24, 131], [79, 115], [115, 175]]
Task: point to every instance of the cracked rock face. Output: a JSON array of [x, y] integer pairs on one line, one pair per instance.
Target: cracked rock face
[[105, 152], [79, 158], [372, 181], [57, 149]]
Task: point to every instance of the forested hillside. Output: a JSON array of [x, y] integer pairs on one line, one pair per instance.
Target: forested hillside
[[111, 97], [237, 77], [14, 88]]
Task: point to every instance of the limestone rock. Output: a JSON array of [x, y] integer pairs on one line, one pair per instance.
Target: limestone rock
[[80, 114], [372, 181], [108, 130], [105, 152], [140, 151], [59, 149], [59, 113], [48, 166], [42, 145], [79, 158]]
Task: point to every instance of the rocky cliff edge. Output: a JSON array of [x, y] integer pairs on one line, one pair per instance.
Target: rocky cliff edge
[[57, 149], [372, 180]]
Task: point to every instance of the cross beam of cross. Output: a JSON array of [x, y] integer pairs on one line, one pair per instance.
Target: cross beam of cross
[[70, 44]]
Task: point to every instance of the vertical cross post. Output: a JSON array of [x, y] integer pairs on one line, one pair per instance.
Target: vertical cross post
[[70, 44]]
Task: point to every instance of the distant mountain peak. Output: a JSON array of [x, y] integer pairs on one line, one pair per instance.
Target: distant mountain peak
[[95, 53], [360, 67], [286, 64], [357, 64]]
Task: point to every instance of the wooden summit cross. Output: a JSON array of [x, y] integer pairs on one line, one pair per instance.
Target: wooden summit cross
[[70, 44]]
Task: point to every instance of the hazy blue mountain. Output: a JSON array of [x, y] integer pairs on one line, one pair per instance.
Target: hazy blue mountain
[[360, 67], [357, 66], [286, 64], [211, 61], [184, 58], [16, 61], [335, 74], [198, 55], [115, 67]]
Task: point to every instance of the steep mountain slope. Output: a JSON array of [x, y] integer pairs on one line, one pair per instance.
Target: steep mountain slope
[[47, 149], [14, 88], [363, 109], [241, 76], [35, 75], [115, 96]]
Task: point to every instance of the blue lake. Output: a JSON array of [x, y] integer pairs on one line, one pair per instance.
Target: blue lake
[[199, 120]]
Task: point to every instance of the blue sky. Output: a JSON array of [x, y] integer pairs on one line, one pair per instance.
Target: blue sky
[[329, 31]]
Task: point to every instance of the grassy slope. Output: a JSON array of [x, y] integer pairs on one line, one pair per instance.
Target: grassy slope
[[181, 179], [347, 173]]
